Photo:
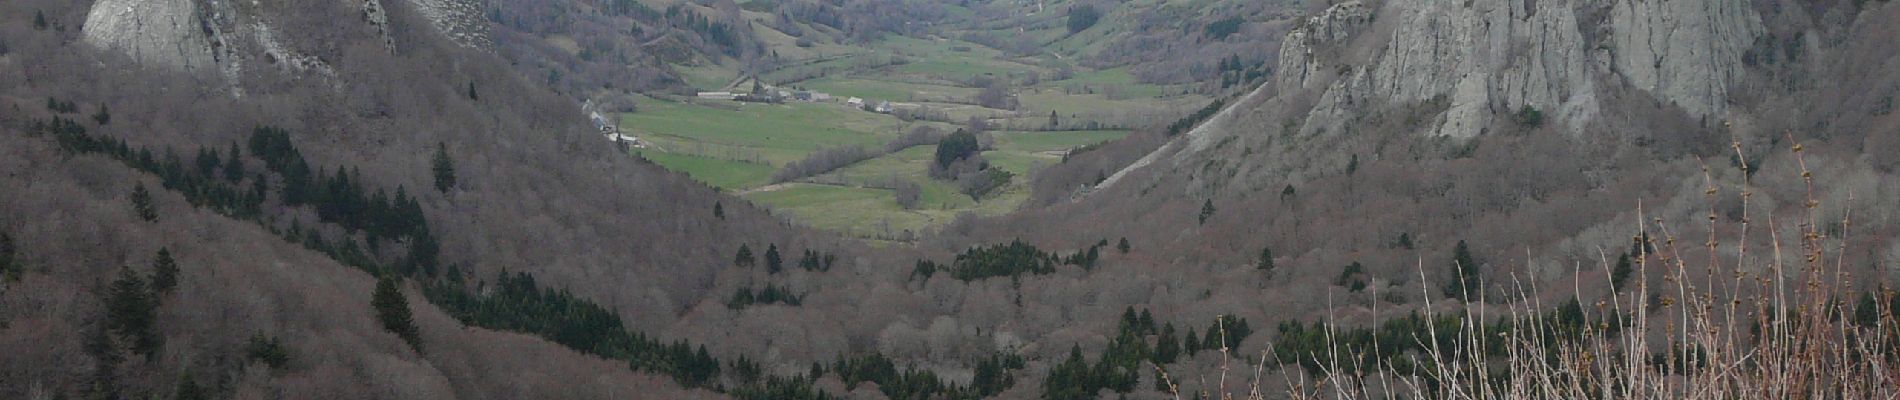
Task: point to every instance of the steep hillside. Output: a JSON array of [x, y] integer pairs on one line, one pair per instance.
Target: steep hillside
[[400, 199], [364, 109], [1528, 129]]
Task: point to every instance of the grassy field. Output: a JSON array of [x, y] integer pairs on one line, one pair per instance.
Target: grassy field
[[1036, 142], [738, 146], [723, 174], [861, 212], [885, 89], [777, 133]]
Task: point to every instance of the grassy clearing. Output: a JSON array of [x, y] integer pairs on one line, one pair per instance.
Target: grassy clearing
[[777, 133], [886, 90], [738, 149], [1037, 142], [1019, 163], [862, 212], [723, 174]]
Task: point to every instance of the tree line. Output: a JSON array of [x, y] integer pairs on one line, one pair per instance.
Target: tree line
[[771, 294], [1119, 366], [1013, 259]]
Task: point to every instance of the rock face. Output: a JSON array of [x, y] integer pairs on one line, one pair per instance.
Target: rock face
[[1684, 51], [460, 20], [167, 33], [1458, 68], [1298, 64], [195, 35], [1490, 58]]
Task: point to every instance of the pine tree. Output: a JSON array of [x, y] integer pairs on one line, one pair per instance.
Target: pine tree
[[1129, 323], [1053, 120], [1620, 273], [233, 165], [1146, 322], [444, 168], [103, 116], [392, 309], [719, 210], [142, 203], [773, 264], [39, 20], [1266, 259], [1167, 348], [1191, 344], [744, 258], [1122, 246], [131, 312], [471, 92], [1464, 274], [164, 271]]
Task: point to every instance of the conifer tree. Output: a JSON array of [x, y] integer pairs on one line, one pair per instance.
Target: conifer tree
[[131, 312], [392, 309], [1191, 344], [744, 258], [164, 271], [39, 20], [1122, 246], [1464, 274], [773, 264], [444, 168], [142, 203], [233, 165], [1620, 273], [1266, 259], [1167, 348], [104, 116]]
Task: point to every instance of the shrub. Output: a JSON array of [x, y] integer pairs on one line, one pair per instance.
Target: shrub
[[268, 350], [1220, 30], [1529, 117], [1081, 17]]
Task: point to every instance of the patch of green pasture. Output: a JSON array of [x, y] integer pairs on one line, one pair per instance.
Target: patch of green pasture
[[851, 210], [1036, 142], [724, 174], [885, 90], [1018, 163], [779, 132]]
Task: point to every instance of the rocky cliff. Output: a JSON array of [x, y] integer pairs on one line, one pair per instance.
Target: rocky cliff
[[171, 33], [220, 35], [1495, 57]]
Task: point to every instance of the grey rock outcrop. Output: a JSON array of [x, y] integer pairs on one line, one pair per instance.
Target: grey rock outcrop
[[1298, 64], [207, 35], [168, 33], [460, 20], [1684, 51], [1456, 68], [1491, 58]]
